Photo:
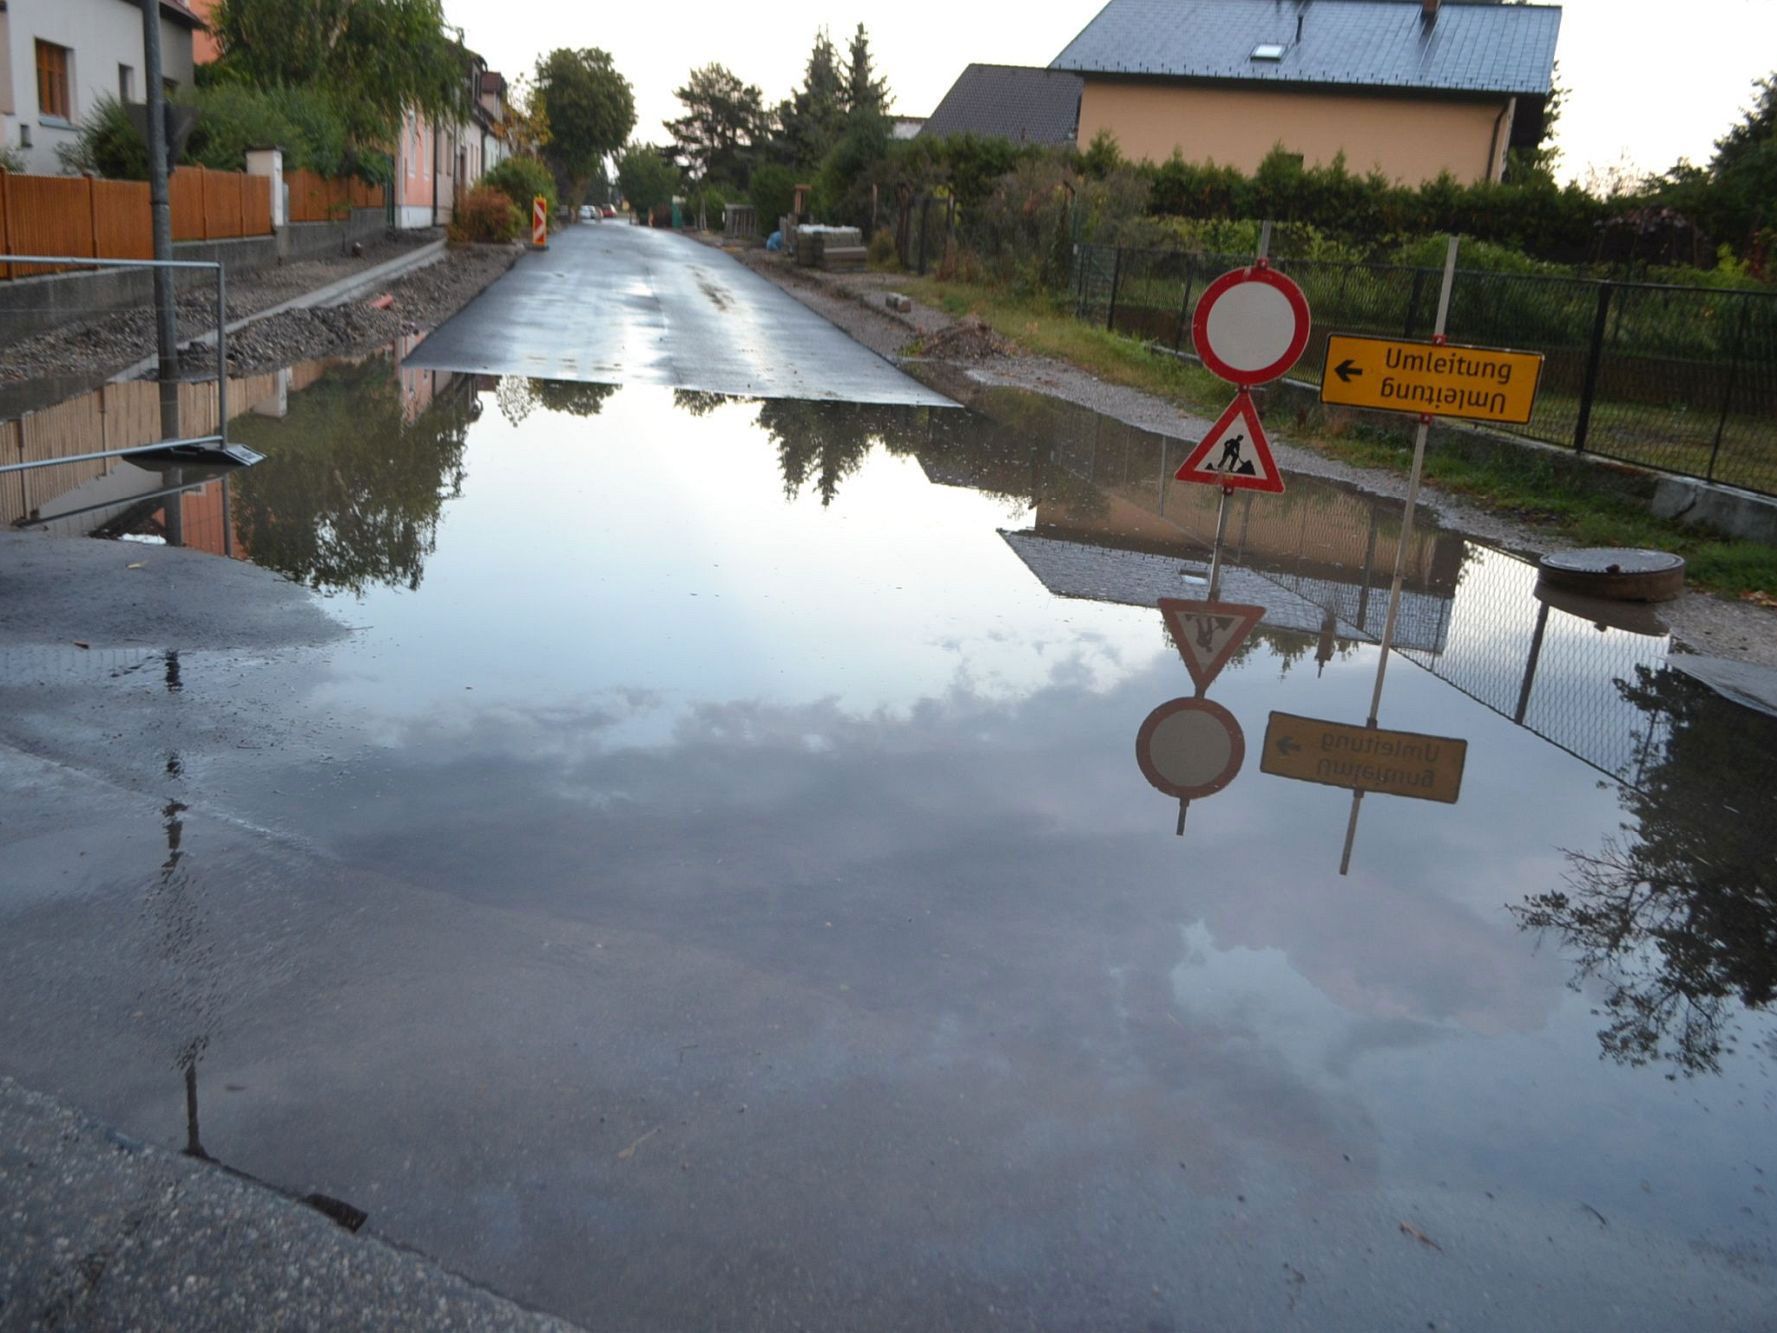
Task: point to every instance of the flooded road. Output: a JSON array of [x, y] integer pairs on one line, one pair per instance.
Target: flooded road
[[713, 877]]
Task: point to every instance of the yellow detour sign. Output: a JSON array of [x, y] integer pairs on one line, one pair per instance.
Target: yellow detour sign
[[1393, 763], [1430, 379]]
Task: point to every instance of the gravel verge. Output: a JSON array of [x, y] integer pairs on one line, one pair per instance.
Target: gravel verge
[[1741, 631], [97, 349], [422, 300]]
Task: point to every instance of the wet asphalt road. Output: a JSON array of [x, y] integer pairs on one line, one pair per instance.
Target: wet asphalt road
[[705, 882], [610, 303]]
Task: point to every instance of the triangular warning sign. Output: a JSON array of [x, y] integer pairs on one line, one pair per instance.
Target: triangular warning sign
[[1235, 453], [1207, 634]]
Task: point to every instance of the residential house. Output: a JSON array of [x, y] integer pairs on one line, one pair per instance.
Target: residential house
[[1012, 102], [58, 58], [1412, 88], [436, 162]]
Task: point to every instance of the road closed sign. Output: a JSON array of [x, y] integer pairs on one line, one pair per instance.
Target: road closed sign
[[1431, 379]]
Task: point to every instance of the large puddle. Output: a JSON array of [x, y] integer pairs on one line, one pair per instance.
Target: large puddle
[[721, 880]]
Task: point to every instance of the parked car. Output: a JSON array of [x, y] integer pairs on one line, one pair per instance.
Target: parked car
[[589, 213], [610, 212]]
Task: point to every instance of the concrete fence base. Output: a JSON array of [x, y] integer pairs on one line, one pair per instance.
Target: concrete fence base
[[36, 305]]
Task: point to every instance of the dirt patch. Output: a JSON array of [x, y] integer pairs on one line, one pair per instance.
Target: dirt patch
[[966, 342]]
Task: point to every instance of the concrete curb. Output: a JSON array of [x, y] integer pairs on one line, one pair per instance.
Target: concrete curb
[[102, 1231], [334, 293]]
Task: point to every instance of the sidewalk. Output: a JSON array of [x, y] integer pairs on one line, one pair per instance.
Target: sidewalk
[[98, 1231]]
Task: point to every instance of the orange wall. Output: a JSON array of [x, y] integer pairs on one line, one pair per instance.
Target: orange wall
[[203, 46], [1409, 139]]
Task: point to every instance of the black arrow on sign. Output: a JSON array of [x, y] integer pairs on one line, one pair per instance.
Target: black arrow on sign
[[1287, 746], [1345, 371]]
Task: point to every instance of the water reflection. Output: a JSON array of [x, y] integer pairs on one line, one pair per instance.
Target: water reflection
[[519, 396], [358, 482], [1676, 915], [363, 461]]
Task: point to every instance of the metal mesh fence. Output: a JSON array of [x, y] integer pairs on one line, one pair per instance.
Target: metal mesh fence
[[1681, 379]]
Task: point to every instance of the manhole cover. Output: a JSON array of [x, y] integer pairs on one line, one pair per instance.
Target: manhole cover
[[1618, 573]]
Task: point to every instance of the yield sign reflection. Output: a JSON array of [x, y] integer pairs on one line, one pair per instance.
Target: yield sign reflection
[[1207, 634]]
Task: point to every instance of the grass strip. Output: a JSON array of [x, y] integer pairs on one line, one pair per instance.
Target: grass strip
[[1577, 501]]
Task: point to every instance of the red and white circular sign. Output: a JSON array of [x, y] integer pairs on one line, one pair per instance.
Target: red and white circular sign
[[1251, 325], [1189, 748]]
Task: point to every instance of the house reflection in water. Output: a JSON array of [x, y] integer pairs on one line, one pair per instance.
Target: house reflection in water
[[1109, 523]]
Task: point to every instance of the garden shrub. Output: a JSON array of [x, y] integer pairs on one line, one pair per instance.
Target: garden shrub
[[773, 190], [486, 216], [522, 179]]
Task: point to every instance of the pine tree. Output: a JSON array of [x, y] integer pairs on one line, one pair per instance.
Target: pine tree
[[866, 98], [815, 114]]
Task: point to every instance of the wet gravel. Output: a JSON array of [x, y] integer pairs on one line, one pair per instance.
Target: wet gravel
[[102, 346], [1743, 631], [423, 299]]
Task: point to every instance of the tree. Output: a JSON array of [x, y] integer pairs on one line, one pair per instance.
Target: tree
[[379, 59], [866, 97], [814, 116], [1678, 916], [723, 120], [589, 109], [647, 177], [356, 497], [1745, 172]]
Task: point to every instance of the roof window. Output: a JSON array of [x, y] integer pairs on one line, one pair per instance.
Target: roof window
[[1269, 51]]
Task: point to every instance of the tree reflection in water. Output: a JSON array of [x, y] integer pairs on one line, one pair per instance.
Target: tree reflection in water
[[352, 496], [1677, 916], [519, 396]]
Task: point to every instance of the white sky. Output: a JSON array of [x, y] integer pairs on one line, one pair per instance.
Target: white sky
[[1650, 80]]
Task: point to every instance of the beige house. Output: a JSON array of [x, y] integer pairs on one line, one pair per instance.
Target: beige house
[[1411, 88]]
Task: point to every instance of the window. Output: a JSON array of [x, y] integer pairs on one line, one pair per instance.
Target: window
[[1269, 51], [126, 84], [53, 102]]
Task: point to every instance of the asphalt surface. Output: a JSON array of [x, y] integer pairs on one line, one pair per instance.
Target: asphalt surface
[[709, 885], [616, 304], [103, 1231]]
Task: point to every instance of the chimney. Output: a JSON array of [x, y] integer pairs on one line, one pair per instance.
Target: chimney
[[1430, 9]]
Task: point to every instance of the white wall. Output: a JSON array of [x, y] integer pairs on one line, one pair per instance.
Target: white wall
[[101, 35]]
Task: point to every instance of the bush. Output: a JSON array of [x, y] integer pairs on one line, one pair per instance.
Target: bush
[[522, 179], [882, 250], [106, 145], [773, 191], [707, 202], [233, 117], [486, 216]]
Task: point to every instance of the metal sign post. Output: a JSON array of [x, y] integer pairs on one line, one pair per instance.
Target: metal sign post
[[1400, 551]]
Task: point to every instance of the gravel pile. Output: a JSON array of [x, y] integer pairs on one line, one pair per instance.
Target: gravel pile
[[967, 342]]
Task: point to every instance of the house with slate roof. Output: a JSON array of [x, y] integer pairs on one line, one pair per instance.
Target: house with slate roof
[[1012, 102], [1412, 88]]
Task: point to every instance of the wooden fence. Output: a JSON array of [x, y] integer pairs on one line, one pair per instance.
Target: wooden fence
[[107, 219], [317, 199], [116, 416], [219, 205]]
